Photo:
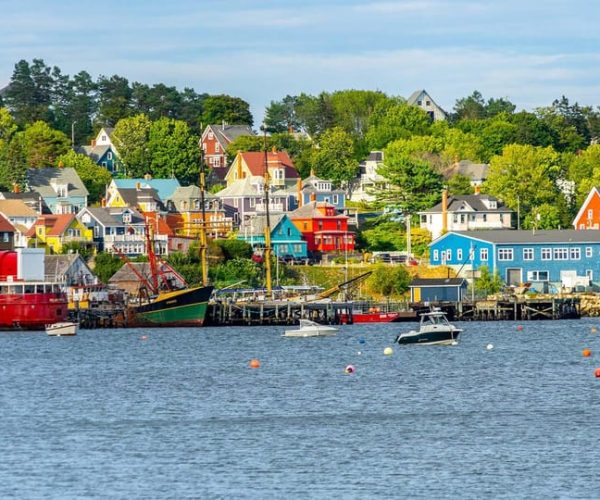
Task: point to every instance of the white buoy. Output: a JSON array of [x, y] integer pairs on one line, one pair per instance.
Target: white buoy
[[359, 353], [489, 347], [388, 351]]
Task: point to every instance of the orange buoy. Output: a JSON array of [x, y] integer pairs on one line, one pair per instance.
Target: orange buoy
[[254, 363], [586, 353], [597, 373], [520, 328]]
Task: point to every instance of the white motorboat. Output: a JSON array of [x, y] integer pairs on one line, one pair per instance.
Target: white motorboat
[[63, 329], [311, 329], [433, 330]]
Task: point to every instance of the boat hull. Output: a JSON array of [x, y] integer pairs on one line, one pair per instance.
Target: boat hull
[[446, 337], [181, 308], [62, 329], [32, 311]]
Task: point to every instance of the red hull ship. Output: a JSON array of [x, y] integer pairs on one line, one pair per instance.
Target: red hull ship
[[30, 303]]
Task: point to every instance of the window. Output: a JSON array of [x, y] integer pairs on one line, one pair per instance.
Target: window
[[419, 103], [590, 214], [109, 156], [483, 254], [448, 255], [297, 248], [104, 164], [436, 255], [459, 254], [103, 138], [484, 217], [588, 252], [505, 254], [575, 253], [126, 217], [538, 275], [305, 226], [561, 253], [5, 237], [546, 254], [528, 254], [335, 199], [217, 147], [590, 274], [428, 103], [252, 202]]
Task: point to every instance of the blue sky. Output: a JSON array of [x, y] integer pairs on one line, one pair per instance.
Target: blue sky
[[530, 51]]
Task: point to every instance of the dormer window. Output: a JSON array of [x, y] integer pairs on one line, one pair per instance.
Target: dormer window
[[493, 204], [61, 190], [126, 217]]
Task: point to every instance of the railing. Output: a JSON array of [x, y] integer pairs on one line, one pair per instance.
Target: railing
[[132, 238]]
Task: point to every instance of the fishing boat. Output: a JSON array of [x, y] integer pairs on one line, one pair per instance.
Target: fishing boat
[[311, 329], [434, 329], [63, 329]]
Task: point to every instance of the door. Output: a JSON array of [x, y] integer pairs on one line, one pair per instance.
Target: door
[[513, 277]]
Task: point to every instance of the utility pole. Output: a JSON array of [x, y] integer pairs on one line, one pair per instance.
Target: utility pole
[[408, 239]]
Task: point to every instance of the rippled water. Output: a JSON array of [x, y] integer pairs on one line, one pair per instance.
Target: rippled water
[[107, 414]]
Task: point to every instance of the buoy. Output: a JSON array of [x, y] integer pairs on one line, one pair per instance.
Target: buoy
[[388, 351], [489, 347], [359, 353], [593, 329], [597, 373], [519, 328], [144, 337], [254, 363], [361, 340], [350, 369], [586, 353], [454, 342]]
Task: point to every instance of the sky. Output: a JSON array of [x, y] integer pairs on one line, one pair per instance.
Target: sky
[[529, 51]]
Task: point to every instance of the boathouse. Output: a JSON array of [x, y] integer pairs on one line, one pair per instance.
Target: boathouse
[[438, 289]]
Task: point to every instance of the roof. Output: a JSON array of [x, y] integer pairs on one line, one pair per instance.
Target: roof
[[255, 161], [56, 224], [57, 265], [5, 226], [243, 187], [311, 211], [102, 215], [16, 208], [189, 193], [505, 236], [133, 196], [229, 133], [159, 224], [127, 274], [375, 156], [164, 187], [415, 96], [39, 180], [256, 225], [437, 282], [458, 203], [112, 216], [594, 191], [94, 152], [474, 171]]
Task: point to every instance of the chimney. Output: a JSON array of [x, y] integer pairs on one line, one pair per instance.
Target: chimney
[[313, 197], [138, 186], [477, 189], [93, 142], [444, 211], [16, 188], [299, 191], [148, 177], [103, 202]]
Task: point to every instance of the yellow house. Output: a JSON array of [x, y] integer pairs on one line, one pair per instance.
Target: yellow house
[[282, 171], [141, 197], [54, 231]]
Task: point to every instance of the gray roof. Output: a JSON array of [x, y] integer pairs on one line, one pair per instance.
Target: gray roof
[[415, 95], [559, 236], [94, 152], [189, 193], [256, 225], [57, 265], [108, 216], [375, 156], [229, 133], [437, 282], [474, 171], [133, 196], [458, 203], [127, 274], [39, 180]]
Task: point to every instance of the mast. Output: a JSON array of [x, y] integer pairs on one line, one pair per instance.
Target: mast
[[203, 245], [267, 218]]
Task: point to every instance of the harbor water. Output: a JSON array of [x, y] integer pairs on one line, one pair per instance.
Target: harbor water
[[180, 414]]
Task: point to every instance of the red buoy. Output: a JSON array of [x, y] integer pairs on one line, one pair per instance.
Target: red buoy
[[520, 328], [254, 363], [597, 373], [586, 353]]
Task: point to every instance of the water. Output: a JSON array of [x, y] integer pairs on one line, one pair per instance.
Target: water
[[107, 414]]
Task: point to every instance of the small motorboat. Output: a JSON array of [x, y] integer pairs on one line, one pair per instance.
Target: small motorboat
[[64, 329], [311, 329], [433, 330]]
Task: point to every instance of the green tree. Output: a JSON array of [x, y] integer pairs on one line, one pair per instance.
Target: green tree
[[334, 159], [130, 137], [352, 109], [234, 249], [397, 121], [94, 177], [389, 280], [19, 97], [114, 100], [218, 108], [459, 184], [105, 265], [545, 216], [531, 130], [43, 145], [471, 107], [82, 106], [584, 171], [488, 283], [315, 114], [280, 116]]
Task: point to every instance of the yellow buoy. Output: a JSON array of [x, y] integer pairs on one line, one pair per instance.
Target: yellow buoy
[[388, 351]]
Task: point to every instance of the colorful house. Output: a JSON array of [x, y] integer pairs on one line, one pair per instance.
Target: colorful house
[[21, 217], [56, 230], [164, 187], [61, 188], [215, 140], [102, 151], [438, 289], [323, 228], [314, 188], [553, 258], [588, 216], [141, 197], [281, 169], [286, 239], [7, 235]]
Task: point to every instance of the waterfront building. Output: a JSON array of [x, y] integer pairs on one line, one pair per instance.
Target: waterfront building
[[438, 289], [286, 239], [549, 259]]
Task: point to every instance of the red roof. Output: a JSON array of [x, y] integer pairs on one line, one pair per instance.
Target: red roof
[[56, 224], [255, 160], [159, 224], [5, 226]]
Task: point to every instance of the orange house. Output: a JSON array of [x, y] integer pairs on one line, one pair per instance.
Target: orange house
[[588, 216], [323, 228]]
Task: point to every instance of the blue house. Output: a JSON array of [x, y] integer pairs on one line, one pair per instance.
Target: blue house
[[102, 151], [286, 238], [61, 189], [557, 258], [438, 289], [316, 189]]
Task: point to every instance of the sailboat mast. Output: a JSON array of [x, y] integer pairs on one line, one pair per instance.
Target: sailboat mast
[[203, 244], [267, 219]]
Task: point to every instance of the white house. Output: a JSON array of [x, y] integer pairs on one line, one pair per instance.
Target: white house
[[424, 101], [369, 181]]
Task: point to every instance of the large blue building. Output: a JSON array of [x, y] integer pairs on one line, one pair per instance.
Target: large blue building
[[557, 258]]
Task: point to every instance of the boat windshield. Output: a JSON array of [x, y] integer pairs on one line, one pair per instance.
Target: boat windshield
[[434, 319]]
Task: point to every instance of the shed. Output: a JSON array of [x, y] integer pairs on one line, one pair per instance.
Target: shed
[[438, 289]]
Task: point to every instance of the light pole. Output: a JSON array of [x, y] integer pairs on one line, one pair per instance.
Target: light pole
[[73, 133]]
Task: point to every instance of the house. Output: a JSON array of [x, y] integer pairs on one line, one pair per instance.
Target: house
[[247, 197], [476, 172], [323, 228], [141, 197], [32, 199], [128, 280], [55, 230], [466, 213], [558, 258], [70, 268], [369, 181], [120, 230], [588, 216], [21, 217], [163, 229], [286, 239], [102, 151], [314, 188], [163, 187], [186, 214], [7, 234], [214, 142], [424, 101], [281, 169], [61, 189], [438, 289]]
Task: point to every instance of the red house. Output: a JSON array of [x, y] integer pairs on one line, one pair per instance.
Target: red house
[[588, 216], [323, 228], [214, 142]]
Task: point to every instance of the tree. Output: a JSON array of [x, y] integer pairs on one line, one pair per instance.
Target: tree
[[43, 145], [83, 106], [315, 114], [20, 94], [94, 177], [488, 283], [131, 140], [471, 107], [280, 116], [531, 130], [334, 159], [584, 171], [499, 106], [114, 100], [105, 265], [13, 163], [352, 109], [544, 216], [218, 108], [389, 280], [459, 184]]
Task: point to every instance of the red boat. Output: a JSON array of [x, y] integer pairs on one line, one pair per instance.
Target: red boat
[[374, 315], [27, 301]]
